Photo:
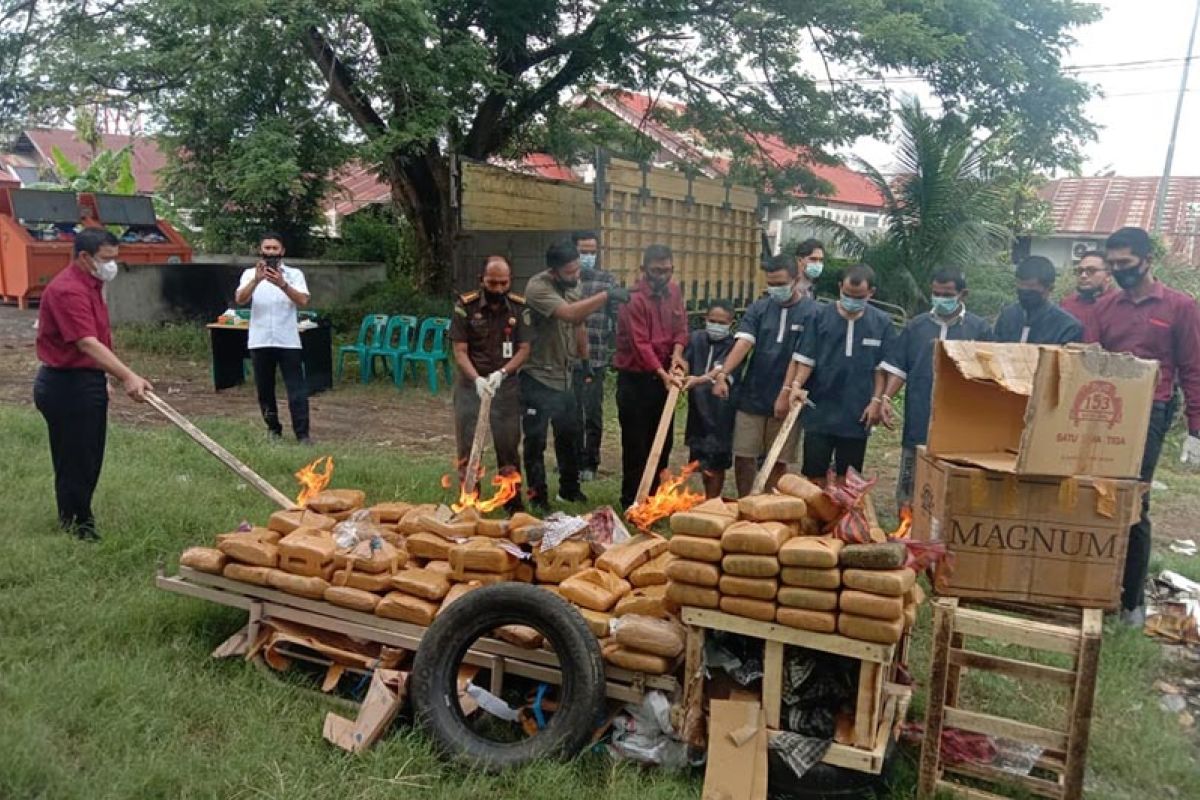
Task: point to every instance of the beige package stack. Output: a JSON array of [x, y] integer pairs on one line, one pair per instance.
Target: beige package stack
[[694, 574], [644, 644], [879, 594]]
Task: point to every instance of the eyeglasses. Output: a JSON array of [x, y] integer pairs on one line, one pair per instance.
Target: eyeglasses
[[1089, 271]]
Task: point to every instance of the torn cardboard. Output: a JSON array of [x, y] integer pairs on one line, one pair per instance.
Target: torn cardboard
[[1020, 538], [379, 709], [737, 751], [1041, 410]]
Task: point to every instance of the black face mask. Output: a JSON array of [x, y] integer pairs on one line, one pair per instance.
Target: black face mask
[[272, 261], [494, 298], [1090, 293], [1030, 299], [1129, 277]]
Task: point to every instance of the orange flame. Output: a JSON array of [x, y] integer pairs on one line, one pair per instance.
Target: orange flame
[[672, 495], [508, 486], [313, 482], [905, 527]]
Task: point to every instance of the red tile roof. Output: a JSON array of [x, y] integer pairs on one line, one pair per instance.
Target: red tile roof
[[147, 158], [546, 166], [357, 188]]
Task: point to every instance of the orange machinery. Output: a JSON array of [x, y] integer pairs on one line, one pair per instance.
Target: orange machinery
[[37, 229]]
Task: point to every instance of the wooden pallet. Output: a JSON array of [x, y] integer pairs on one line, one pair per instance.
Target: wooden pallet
[[1075, 633], [879, 704], [500, 657]]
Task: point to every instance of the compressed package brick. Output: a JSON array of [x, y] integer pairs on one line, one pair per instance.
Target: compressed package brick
[[390, 513], [480, 555], [649, 601], [684, 594], [875, 555], [524, 572], [762, 610], [439, 566], [701, 523], [809, 599], [406, 608], [256, 533], [597, 621], [522, 520], [910, 616], [696, 573], [653, 572], [521, 636], [719, 507], [750, 566], [410, 523], [915, 594], [422, 583], [368, 582], [492, 528], [870, 630], [811, 527], [428, 545], [246, 573], [337, 501], [754, 588], [523, 527], [456, 592], [892, 582], [876, 606], [755, 538], [246, 549], [696, 548], [810, 578], [203, 559], [485, 578], [558, 574], [634, 661], [285, 522], [369, 556], [807, 619], [453, 530], [813, 552], [622, 559], [595, 589], [301, 585], [356, 599], [644, 634], [763, 507], [820, 505], [308, 552], [568, 557]]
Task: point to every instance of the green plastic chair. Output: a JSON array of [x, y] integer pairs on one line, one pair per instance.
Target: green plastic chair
[[430, 348], [370, 332], [397, 342]]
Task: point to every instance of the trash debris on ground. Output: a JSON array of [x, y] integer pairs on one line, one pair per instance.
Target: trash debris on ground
[[1175, 613], [1183, 547]]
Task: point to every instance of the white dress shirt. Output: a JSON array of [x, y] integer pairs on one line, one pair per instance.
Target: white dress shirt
[[273, 321]]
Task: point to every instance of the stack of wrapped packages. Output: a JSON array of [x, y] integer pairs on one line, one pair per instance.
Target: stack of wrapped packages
[[765, 558], [409, 562]]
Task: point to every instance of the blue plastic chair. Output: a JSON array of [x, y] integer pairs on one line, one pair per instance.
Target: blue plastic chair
[[396, 343], [370, 332], [430, 348]]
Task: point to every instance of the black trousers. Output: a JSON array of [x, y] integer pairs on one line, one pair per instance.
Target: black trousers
[[291, 364], [1137, 556], [589, 400], [640, 400], [544, 407], [822, 450], [74, 403]]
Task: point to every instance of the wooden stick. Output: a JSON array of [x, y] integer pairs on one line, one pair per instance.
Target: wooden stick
[[224, 456], [483, 424], [785, 430], [660, 438]]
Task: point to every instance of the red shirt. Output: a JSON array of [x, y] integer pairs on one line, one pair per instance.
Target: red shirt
[[648, 328], [71, 308], [1081, 308], [1164, 326]]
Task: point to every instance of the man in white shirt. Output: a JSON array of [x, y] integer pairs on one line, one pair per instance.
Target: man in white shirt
[[275, 291]]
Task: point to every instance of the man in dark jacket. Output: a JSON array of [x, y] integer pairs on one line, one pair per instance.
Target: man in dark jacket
[[709, 434], [1033, 319]]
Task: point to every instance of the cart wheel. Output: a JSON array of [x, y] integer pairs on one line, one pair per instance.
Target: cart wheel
[[580, 700], [827, 782]]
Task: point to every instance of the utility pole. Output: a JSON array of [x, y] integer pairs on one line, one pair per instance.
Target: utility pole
[[1161, 202]]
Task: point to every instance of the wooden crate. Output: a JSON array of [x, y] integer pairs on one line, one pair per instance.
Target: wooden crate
[[501, 658], [880, 703], [1069, 631]]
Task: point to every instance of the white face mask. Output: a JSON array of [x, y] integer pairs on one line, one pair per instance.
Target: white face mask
[[106, 270]]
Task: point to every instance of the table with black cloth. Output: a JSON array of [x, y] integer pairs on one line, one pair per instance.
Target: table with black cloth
[[229, 351]]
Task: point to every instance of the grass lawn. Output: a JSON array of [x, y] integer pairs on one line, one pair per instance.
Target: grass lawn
[[107, 691]]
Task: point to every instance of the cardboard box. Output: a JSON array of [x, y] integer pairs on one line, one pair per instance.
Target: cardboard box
[[1028, 539], [1039, 410]]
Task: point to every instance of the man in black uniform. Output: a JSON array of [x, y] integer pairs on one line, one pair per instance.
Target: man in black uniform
[[490, 331], [1033, 319], [709, 434]]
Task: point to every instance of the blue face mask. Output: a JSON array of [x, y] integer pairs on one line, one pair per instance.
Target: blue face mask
[[780, 294], [853, 305], [944, 306], [814, 270], [716, 331], [587, 260]]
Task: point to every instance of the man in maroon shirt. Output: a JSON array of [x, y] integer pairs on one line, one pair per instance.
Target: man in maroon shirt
[[1093, 282], [74, 346], [651, 335], [1156, 322]]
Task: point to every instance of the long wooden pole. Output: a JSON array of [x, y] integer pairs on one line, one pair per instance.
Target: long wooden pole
[[483, 424], [660, 438], [224, 456], [785, 430]]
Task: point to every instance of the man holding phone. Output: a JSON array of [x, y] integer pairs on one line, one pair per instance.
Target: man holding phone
[[275, 292]]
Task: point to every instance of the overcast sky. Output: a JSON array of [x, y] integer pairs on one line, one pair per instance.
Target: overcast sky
[[1135, 115]]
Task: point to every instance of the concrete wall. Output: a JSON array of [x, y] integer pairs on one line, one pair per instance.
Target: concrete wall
[[203, 289]]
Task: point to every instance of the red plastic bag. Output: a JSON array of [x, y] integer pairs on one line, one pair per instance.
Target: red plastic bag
[[852, 526]]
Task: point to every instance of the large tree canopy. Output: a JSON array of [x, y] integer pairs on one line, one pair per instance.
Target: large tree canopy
[[418, 80]]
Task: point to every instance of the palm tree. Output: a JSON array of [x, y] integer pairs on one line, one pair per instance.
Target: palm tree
[[941, 210]]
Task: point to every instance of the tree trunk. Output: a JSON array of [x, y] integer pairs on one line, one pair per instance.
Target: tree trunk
[[421, 191]]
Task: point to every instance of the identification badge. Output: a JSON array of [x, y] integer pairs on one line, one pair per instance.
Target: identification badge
[[871, 343], [507, 351]]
